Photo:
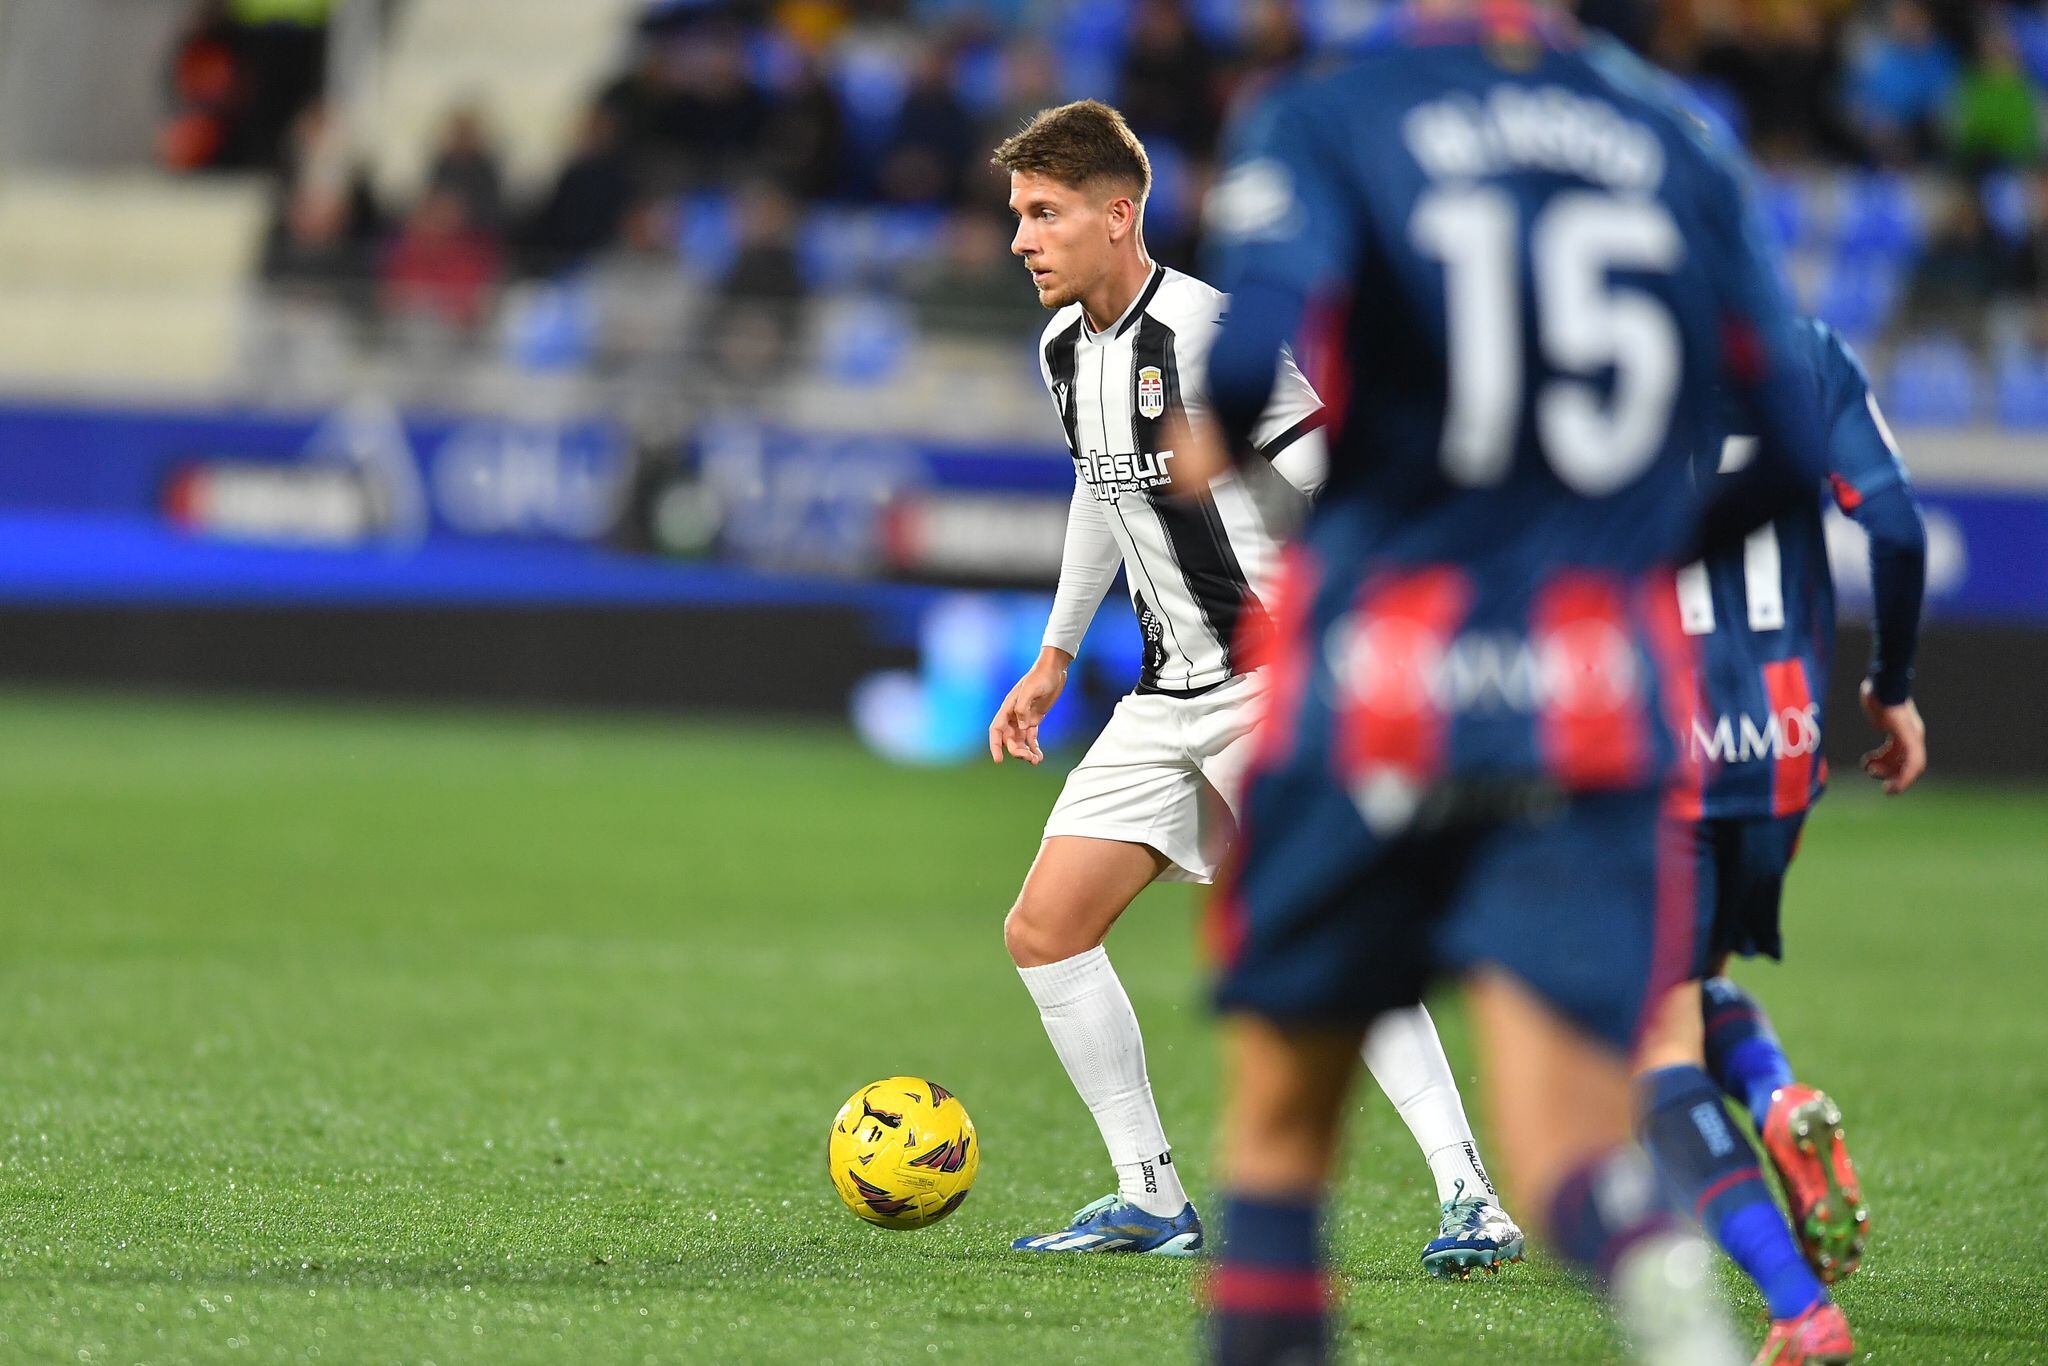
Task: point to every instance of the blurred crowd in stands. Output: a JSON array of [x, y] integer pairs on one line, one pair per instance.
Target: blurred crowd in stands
[[752, 155]]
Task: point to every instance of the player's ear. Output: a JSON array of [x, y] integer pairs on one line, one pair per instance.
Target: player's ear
[[1123, 216]]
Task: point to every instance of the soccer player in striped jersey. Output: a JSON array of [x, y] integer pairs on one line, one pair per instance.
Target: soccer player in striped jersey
[[1123, 360], [1763, 611]]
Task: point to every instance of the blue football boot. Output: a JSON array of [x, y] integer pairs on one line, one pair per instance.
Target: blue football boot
[[1475, 1233], [1111, 1225]]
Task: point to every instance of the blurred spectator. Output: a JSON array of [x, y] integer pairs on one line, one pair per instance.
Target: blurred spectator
[[933, 138], [1168, 85], [709, 119], [1632, 21], [442, 267], [1031, 82], [284, 49], [466, 165], [582, 211], [976, 288], [322, 241], [642, 300], [1997, 111], [2032, 263], [240, 72], [208, 89], [1273, 44], [753, 327], [1904, 81], [1785, 74], [805, 140], [1962, 270], [634, 99]]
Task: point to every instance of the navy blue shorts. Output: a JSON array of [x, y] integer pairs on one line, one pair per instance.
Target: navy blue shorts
[[1586, 900], [1739, 869]]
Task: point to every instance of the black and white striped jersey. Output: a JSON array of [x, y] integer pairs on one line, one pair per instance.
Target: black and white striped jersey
[[1194, 564]]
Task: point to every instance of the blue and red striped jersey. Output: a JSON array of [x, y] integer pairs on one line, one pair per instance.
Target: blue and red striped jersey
[[1764, 611], [1536, 272]]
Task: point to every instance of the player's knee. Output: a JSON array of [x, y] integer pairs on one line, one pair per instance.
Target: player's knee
[[1673, 1035], [1031, 939]]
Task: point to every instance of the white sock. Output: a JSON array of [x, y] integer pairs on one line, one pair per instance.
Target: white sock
[[1094, 1030], [1407, 1059]]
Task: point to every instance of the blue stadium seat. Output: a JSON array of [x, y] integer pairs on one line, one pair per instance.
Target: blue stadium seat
[[1787, 207], [1879, 216], [1171, 206], [865, 341], [832, 248], [871, 82], [1220, 21], [773, 58], [1090, 40], [2006, 206], [707, 235], [1858, 293], [840, 248], [552, 326], [978, 79], [905, 235], [2030, 34], [2020, 390], [1932, 382]]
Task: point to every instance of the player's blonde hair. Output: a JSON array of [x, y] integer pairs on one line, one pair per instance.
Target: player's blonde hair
[[1077, 144]]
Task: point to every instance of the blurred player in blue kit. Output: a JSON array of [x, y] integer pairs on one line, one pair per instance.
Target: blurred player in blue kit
[[1540, 279], [1764, 612]]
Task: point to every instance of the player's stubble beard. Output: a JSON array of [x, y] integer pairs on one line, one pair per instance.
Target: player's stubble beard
[[1059, 294]]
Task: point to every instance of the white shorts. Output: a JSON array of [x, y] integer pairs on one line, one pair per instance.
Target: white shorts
[[1166, 772]]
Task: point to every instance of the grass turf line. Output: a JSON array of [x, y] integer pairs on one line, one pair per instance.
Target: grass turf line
[[356, 1036]]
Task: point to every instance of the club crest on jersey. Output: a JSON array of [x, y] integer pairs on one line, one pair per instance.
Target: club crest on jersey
[[1151, 392]]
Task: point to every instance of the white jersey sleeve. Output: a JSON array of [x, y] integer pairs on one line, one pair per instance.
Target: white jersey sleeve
[[1290, 431], [1088, 566], [1092, 556]]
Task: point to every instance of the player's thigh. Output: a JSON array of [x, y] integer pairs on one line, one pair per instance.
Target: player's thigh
[[1076, 889], [1558, 1096], [1137, 785], [1590, 907], [1225, 740], [1675, 1033], [1323, 923]]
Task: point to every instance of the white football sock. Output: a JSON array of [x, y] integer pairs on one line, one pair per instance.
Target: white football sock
[[1407, 1059], [1095, 1032]]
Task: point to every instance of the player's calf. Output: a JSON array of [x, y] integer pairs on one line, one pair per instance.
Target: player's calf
[[1610, 1219], [1714, 1172], [1743, 1054]]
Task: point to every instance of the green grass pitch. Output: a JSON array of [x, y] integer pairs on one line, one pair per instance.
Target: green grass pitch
[[365, 1037]]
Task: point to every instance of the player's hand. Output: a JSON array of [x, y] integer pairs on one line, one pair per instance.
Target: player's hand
[[1015, 729], [1199, 453], [1902, 758]]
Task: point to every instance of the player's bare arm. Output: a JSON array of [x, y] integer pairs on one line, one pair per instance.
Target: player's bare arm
[[1900, 760], [1015, 730]]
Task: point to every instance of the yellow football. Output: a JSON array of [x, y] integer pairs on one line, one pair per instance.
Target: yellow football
[[902, 1152]]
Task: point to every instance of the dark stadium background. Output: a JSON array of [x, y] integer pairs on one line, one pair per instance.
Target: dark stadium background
[[669, 355]]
